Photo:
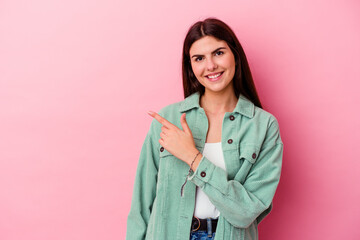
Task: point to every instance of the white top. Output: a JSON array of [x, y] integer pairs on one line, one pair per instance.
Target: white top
[[203, 207]]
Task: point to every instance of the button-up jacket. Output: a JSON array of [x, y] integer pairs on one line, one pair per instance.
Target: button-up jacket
[[243, 194]]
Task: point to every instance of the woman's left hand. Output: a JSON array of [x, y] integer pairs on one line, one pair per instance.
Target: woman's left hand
[[179, 143]]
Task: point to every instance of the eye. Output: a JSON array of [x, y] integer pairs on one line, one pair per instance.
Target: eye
[[198, 59], [219, 53]]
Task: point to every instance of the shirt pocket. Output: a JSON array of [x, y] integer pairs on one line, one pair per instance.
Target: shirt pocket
[[248, 155], [166, 159]]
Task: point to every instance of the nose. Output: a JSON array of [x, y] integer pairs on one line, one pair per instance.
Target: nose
[[210, 64]]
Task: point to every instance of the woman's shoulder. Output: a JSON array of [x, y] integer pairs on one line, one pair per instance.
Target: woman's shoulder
[[253, 112], [268, 123], [263, 114]]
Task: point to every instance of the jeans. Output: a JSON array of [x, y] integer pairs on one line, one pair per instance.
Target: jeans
[[203, 235]]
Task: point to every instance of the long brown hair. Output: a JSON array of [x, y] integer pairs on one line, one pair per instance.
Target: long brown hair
[[242, 81]]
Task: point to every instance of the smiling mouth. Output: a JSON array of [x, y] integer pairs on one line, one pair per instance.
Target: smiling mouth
[[214, 76]]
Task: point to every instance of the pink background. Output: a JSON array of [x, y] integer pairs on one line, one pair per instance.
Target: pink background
[[77, 77]]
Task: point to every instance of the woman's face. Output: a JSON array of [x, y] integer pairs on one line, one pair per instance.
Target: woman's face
[[213, 64]]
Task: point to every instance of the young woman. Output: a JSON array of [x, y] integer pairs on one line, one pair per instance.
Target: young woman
[[210, 164]]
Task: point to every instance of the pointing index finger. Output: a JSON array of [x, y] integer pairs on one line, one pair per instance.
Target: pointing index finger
[[161, 120]]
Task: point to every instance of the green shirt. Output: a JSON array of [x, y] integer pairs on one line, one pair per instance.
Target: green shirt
[[243, 194]]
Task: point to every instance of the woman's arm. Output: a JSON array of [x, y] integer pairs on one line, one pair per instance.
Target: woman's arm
[[240, 204], [144, 188]]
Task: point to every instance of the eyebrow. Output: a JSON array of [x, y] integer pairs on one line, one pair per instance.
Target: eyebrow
[[198, 55]]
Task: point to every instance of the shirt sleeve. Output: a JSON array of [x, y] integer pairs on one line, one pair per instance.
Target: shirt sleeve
[[240, 202], [144, 190]]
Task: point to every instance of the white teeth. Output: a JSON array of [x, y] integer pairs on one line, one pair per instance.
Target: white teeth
[[214, 76]]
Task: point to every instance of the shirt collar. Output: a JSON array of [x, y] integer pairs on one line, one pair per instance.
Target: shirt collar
[[243, 106]]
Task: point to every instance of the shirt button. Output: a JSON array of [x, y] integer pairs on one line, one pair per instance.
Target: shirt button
[[161, 149], [232, 117], [230, 141], [254, 155], [203, 174]]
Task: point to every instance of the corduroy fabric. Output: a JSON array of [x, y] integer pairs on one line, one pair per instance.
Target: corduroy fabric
[[243, 194]]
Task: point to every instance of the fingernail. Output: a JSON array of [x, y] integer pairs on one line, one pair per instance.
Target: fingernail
[[150, 113]]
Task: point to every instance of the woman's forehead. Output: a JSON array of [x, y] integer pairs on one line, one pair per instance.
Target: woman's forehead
[[206, 45]]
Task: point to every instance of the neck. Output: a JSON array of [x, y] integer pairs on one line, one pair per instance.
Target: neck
[[217, 103]]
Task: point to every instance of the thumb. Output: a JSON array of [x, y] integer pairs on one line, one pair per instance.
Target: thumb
[[184, 124]]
